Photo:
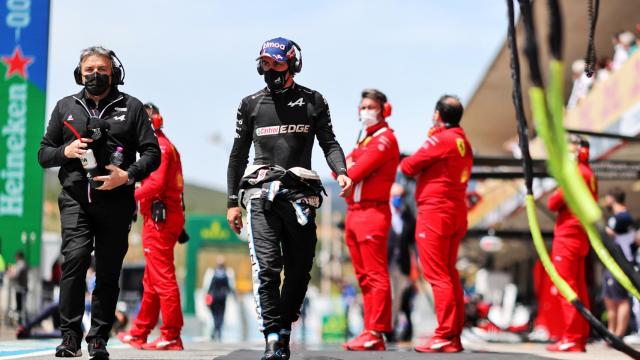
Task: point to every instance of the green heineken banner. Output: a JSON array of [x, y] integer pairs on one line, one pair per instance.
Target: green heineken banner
[[24, 39], [204, 230]]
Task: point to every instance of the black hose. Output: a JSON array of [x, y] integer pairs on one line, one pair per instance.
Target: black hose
[[611, 339], [516, 95], [590, 57], [531, 50], [555, 29], [531, 43]]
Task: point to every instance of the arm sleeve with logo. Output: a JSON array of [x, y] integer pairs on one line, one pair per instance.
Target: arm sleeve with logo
[[239, 156], [155, 183], [51, 152], [432, 149], [379, 151], [327, 139], [147, 146]]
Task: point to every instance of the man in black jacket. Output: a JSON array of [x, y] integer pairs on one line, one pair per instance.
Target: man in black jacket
[[93, 137], [282, 122]]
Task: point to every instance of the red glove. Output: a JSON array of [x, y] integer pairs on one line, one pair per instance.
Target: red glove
[[208, 299]]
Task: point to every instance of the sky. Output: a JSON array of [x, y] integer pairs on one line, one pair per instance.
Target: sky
[[195, 59]]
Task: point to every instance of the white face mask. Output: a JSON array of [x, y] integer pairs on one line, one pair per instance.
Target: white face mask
[[368, 118]]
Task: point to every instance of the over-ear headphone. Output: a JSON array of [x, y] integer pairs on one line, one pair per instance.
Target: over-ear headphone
[[117, 71], [386, 109], [295, 62]]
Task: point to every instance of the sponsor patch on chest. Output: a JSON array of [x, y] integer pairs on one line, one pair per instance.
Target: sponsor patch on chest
[[282, 129]]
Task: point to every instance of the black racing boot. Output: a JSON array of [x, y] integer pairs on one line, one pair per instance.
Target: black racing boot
[[70, 346], [285, 351], [98, 349], [272, 349]]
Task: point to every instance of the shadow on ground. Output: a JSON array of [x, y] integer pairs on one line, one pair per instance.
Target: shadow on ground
[[380, 355]]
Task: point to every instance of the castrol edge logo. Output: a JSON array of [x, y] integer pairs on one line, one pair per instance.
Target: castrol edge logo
[[282, 129]]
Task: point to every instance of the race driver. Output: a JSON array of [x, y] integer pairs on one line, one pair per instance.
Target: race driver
[[568, 253], [442, 167], [282, 121], [372, 167], [161, 206]]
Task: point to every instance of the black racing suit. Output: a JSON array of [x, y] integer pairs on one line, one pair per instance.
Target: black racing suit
[[96, 218], [282, 126]]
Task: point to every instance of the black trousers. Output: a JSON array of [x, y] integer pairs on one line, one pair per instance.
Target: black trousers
[[277, 241], [20, 310], [217, 310], [102, 225]]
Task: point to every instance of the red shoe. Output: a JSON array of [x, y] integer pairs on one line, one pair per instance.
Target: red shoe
[[134, 341], [163, 344], [565, 345], [436, 344], [366, 341]]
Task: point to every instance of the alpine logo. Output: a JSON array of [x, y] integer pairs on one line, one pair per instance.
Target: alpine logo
[[70, 118], [282, 129], [119, 118], [298, 102]]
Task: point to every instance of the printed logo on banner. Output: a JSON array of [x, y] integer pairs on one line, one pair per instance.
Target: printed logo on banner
[[24, 34], [17, 63]]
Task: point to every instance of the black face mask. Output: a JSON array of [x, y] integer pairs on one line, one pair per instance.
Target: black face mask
[[96, 83], [275, 79]]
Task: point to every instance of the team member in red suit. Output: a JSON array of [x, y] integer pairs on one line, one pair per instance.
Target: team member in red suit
[[546, 325], [159, 236], [568, 253], [442, 167], [372, 166]]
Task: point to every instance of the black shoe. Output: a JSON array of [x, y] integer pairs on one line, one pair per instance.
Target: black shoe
[[98, 349], [285, 351], [23, 333], [70, 346], [272, 351]]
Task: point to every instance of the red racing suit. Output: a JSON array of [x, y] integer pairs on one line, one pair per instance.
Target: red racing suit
[[443, 167], [569, 250], [372, 166], [549, 306], [161, 292]]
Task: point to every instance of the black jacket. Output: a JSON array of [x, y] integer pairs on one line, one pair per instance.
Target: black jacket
[[282, 128], [127, 125]]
